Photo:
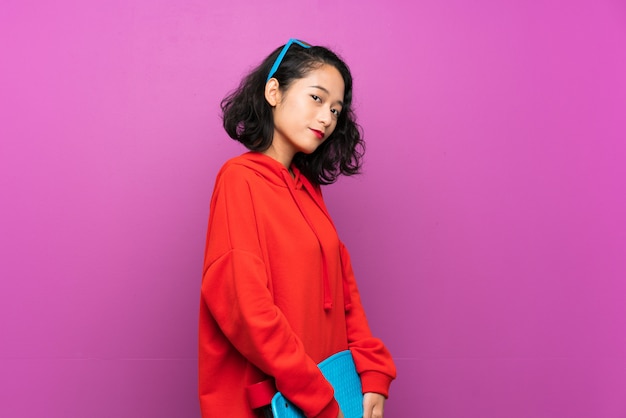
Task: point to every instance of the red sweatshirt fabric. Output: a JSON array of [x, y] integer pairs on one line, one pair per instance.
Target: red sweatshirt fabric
[[278, 295]]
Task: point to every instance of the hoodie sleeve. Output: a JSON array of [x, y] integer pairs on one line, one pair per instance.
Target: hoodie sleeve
[[373, 361], [235, 290]]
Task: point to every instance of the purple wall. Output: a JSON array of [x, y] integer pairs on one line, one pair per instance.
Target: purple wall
[[488, 230]]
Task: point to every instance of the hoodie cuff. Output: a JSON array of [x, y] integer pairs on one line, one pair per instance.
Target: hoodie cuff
[[376, 382], [330, 411]]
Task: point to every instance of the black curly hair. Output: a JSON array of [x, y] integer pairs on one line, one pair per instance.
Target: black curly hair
[[247, 116]]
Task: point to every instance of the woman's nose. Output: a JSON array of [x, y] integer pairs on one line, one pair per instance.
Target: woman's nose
[[325, 117]]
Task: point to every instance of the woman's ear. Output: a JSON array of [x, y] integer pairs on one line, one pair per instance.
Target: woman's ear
[[272, 92]]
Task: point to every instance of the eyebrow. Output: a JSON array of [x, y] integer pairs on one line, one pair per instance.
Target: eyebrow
[[325, 90]]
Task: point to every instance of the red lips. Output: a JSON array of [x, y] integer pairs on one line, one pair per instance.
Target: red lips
[[317, 133]]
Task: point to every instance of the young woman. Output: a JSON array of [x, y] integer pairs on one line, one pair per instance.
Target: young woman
[[278, 290]]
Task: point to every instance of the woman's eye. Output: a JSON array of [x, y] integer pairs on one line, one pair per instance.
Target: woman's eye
[[335, 112], [316, 98]]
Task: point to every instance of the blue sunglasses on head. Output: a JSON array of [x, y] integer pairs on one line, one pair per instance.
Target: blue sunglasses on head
[[280, 56]]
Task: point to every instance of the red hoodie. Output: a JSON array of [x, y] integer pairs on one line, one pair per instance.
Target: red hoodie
[[278, 295]]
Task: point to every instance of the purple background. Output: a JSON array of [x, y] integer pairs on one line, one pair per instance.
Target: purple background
[[488, 230]]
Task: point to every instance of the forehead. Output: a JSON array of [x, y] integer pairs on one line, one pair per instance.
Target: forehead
[[325, 77]]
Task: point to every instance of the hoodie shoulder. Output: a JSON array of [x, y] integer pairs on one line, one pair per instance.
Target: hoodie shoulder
[[254, 165], [236, 163]]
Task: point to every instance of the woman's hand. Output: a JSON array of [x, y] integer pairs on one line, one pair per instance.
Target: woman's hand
[[373, 405]]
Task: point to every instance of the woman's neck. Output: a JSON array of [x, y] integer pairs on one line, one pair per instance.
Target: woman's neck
[[284, 158]]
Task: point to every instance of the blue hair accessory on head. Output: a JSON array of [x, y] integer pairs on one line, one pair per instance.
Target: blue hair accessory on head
[[280, 56]]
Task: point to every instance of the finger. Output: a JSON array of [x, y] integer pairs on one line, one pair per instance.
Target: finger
[[367, 413], [373, 409], [367, 408], [377, 411]]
